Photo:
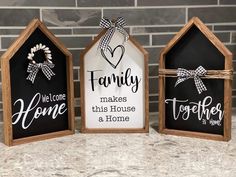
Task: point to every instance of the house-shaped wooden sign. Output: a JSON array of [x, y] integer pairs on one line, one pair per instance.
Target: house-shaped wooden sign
[[114, 86], [195, 85], [37, 87]]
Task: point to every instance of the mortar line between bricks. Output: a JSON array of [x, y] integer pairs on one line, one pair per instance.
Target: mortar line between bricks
[[230, 37], [153, 101], [152, 77], [102, 13], [117, 7], [182, 24], [139, 26], [49, 27], [76, 3], [186, 15], [57, 35], [223, 31], [153, 113], [155, 33], [145, 46], [78, 48], [232, 45], [40, 14], [153, 94], [227, 43], [150, 39], [149, 47], [153, 64], [173, 33]]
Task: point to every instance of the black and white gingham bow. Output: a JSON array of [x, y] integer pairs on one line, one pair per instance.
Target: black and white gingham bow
[[184, 74], [33, 69], [111, 26]]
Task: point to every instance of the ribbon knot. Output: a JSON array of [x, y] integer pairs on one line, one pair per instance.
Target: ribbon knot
[[184, 74], [33, 69], [111, 27], [40, 65]]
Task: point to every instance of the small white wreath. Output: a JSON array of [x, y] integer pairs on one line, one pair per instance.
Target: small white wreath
[[47, 52]]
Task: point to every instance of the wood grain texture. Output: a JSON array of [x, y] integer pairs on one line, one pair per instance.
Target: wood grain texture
[[225, 74], [84, 128], [6, 85], [211, 74]]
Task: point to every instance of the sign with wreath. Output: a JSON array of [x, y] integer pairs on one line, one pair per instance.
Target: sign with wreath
[[37, 84]]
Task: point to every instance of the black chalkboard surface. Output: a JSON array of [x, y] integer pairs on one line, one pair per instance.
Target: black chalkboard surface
[[25, 90], [183, 109], [186, 55], [43, 106]]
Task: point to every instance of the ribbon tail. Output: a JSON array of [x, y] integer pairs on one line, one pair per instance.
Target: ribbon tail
[[199, 84], [106, 39], [125, 34], [105, 23], [120, 21], [47, 72], [181, 79], [32, 76]]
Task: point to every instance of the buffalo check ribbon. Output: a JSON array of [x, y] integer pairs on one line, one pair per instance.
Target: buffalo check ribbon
[[198, 74], [33, 69], [111, 27], [184, 74]]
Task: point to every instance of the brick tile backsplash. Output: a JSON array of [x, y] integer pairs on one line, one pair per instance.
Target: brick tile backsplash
[[76, 55], [152, 22], [53, 3], [159, 29], [153, 88], [234, 37], [150, 16], [77, 89], [154, 54], [75, 41], [71, 17], [104, 3], [7, 41], [142, 39], [228, 2], [175, 2], [94, 31], [225, 27], [17, 17], [161, 39], [214, 14], [223, 36]]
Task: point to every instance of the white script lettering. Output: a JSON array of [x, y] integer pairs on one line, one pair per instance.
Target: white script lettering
[[184, 108], [22, 114]]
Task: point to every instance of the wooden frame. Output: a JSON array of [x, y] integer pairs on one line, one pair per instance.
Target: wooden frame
[[84, 129], [227, 84], [6, 87]]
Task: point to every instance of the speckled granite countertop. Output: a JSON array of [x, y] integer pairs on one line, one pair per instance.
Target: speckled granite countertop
[[121, 155]]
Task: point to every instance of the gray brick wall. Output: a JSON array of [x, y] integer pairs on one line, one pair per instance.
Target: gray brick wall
[[152, 22]]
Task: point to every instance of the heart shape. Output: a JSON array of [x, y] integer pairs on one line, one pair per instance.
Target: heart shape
[[114, 64]]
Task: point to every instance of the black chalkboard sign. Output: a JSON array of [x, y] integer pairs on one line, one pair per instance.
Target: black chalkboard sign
[[38, 74], [189, 108]]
